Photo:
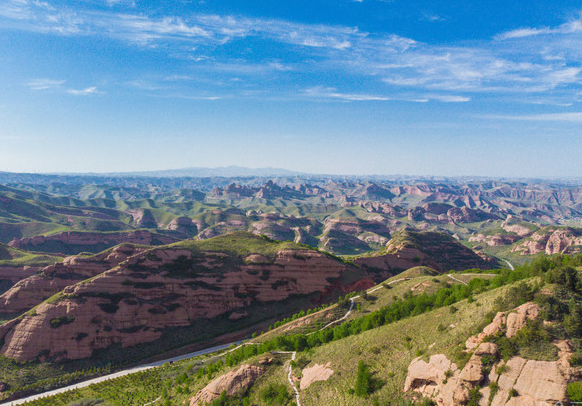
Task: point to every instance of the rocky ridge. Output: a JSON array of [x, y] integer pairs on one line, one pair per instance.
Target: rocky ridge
[[50, 280], [435, 250], [75, 242]]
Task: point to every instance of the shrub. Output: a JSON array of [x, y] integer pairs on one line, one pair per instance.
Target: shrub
[[474, 397], [574, 391], [87, 402], [60, 321], [363, 380], [275, 394]]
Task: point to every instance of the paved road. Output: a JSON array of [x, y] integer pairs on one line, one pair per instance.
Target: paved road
[[119, 374], [458, 280], [510, 266], [345, 316]]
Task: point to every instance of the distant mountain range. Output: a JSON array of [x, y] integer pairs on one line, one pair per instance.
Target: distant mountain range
[[199, 172]]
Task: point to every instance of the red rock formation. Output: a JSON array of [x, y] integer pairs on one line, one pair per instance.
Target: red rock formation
[[17, 273], [143, 218], [552, 240], [184, 225], [167, 287], [31, 291], [519, 382]]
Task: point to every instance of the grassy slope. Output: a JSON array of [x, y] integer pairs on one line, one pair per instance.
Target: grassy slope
[[16, 257]]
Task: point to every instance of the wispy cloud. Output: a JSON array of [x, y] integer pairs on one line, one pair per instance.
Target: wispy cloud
[[59, 85], [572, 117], [44, 84], [567, 28], [84, 92], [450, 98], [332, 93], [125, 3], [433, 18]]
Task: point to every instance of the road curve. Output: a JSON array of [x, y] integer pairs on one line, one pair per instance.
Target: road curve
[[118, 374], [510, 266]]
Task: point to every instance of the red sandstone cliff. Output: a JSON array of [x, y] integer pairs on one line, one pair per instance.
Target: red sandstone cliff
[[166, 287]]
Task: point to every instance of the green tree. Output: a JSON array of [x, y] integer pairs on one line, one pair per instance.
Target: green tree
[[363, 380]]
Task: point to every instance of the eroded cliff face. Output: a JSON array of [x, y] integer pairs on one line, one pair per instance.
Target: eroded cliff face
[[38, 287], [137, 300], [552, 240]]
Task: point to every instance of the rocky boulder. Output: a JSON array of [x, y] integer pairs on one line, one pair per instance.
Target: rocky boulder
[[234, 382], [518, 318], [520, 382], [315, 373]]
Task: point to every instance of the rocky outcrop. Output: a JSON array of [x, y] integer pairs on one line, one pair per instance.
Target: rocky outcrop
[[517, 319], [12, 274], [232, 383], [75, 242], [138, 299], [183, 225], [143, 218], [315, 373], [495, 240], [519, 381], [32, 290], [552, 240]]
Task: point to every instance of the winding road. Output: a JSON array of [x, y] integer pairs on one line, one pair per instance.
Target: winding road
[[345, 316], [510, 266], [119, 374]]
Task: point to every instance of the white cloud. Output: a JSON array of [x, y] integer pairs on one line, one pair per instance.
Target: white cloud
[[450, 98], [573, 117], [330, 92], [432, 17], [567, 28], [44, 84], [84, 92], [125, 3]]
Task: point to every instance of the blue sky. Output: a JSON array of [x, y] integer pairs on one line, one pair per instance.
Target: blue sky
[[330, 86]]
